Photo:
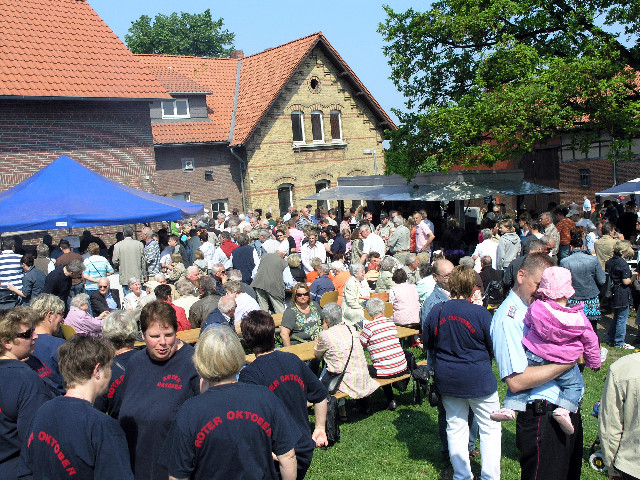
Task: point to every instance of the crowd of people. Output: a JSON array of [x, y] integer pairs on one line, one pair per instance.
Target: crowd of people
[[523, 291]]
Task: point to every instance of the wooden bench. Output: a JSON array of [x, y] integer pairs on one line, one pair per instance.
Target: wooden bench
[[383, 381]]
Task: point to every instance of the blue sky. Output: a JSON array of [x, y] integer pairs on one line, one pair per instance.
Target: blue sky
[[350, 25]]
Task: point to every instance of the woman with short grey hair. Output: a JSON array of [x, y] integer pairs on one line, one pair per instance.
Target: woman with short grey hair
[[81, 320], [337, 343], [132, 301], [352, 309], [120, 329], [385, 279]]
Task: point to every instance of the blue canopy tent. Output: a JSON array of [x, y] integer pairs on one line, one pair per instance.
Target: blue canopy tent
[[66, 194], [632, 187]]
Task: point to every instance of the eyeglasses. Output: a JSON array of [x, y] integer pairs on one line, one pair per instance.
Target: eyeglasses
[[26, 334], [443, 276], [103, 286], [305, 294]]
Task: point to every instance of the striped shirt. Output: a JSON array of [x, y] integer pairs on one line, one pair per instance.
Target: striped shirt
[[96, 266], [380, 337], [10, 269]]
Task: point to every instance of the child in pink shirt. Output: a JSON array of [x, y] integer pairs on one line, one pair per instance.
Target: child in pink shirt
[[559, 334]]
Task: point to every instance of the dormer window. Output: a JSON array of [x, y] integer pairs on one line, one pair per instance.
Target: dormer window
[[178, 108]]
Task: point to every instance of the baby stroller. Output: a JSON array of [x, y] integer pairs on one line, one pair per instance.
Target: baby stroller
[[595, 454]]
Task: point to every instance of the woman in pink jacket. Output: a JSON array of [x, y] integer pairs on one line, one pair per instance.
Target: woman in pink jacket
[[559, 334]]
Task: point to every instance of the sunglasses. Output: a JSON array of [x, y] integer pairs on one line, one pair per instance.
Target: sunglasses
[[26, 334], [305, 294]]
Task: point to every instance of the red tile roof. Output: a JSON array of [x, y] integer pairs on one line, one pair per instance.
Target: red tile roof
[[216, 75], [176, 82], [265, 74], [62, 48], [262, 78]]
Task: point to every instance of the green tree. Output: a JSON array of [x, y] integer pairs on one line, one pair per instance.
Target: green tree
[[184, 34], [488, 80]]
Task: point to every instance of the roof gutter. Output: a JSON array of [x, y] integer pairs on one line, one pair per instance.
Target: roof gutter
[[241, 161]]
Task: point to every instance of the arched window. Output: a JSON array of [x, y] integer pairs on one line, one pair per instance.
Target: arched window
[[336, 126], [297, 126], [285, 197], [316, 126], [321, 185]]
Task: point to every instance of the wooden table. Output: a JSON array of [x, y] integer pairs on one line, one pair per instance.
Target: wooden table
[[305, 351]]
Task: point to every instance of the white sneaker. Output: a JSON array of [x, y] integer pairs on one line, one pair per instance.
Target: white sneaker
[[626, 346], [603, 354]]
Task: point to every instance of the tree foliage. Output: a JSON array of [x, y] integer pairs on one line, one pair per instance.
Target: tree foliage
[[487, 80], [184, 34]]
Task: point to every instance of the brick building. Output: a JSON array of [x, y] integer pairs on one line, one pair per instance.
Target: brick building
[[273, 127], [69, 86]]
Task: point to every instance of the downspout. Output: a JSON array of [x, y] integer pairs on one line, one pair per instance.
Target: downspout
[[243, 169], [241, 162]]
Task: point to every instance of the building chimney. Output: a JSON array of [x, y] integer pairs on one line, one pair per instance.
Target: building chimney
[[237, 54]]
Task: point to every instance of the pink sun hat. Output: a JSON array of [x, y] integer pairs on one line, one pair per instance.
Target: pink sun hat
[[555, 283]]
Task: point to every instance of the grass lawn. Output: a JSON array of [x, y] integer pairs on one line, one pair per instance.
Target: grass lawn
[[404, 444]]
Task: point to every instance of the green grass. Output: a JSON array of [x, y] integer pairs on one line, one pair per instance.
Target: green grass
[[404, 443]]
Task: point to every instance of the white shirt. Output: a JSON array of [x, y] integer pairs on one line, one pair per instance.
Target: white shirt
[[374, 243], [308, 253], [486, 248]]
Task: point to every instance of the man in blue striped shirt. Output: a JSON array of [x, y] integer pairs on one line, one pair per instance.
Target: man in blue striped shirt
[[10, 274]]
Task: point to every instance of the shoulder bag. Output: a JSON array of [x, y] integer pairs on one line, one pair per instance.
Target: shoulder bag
[[333, 380]]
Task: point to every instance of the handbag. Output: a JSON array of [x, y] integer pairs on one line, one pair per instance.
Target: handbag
[[433, 395], [333, 380], [606, 291]]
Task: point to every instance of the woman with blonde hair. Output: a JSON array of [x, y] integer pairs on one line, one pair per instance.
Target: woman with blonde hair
[[302, 320], [23, 392], [232, 429]]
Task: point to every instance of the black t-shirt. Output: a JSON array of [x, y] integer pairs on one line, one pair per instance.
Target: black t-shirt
[[229, 432], [295, 384], [459, 335], [21, 394], [112, 400], [152, 394], [58, 284], [71, 439], [46, 350]]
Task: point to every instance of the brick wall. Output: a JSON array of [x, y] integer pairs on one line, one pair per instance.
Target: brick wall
[[112, 138], [271, 159], [226, 174]]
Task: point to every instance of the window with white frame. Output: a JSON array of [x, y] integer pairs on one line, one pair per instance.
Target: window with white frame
[[188, 165], [219, 206], [185, 196], [297, 126], [336, 126], [285, 197], [316, 126], [321, 185], [177, 108]]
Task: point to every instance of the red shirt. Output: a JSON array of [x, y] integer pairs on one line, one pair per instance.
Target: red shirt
[[183, 321], [564, 227]]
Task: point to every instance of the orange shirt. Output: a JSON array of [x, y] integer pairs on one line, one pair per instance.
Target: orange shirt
[[338, 281], [564, 227]]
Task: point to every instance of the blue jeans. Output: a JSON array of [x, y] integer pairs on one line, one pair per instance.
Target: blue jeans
[[570, 383], [618, 327]]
